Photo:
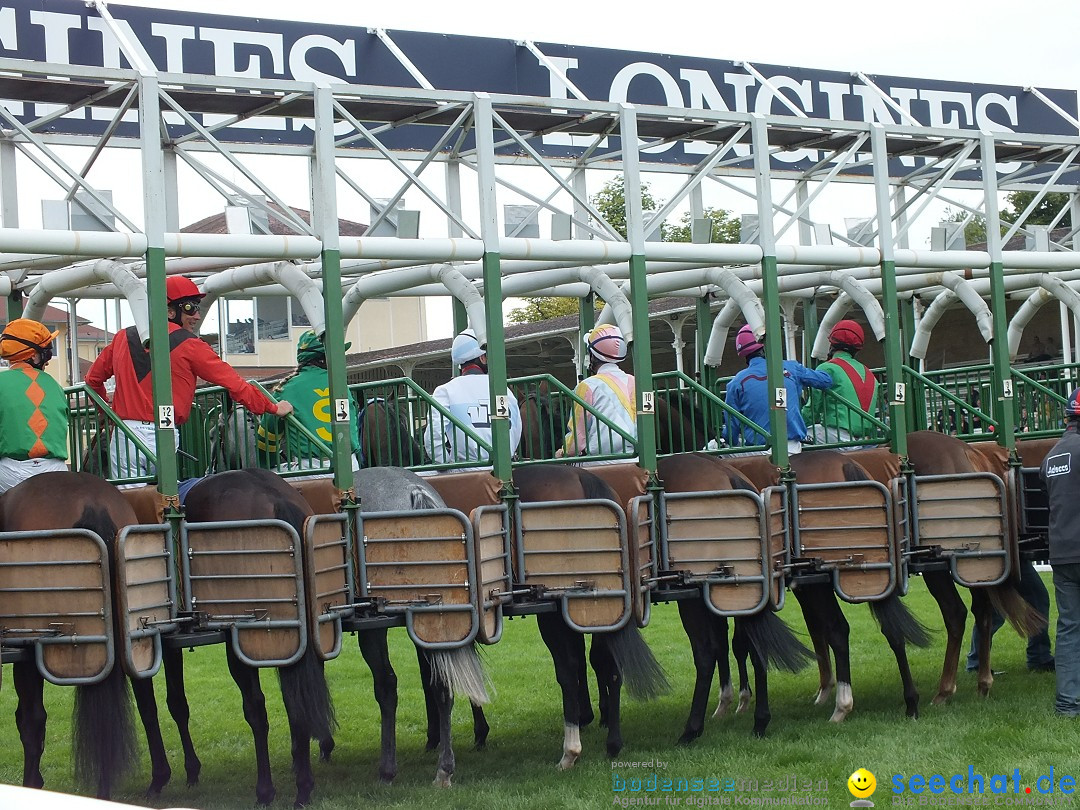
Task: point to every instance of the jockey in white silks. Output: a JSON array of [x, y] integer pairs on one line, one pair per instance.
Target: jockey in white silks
[[467, 398]]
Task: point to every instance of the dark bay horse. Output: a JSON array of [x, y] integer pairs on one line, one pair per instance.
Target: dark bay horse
[[103, 729], [829, 630], [543, 425], [252, 495], [386, 436], [616, 655], [762, 636], [932, 453], [443, 672]]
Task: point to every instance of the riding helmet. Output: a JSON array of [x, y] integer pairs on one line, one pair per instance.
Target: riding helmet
[[1072, 405], [177, 288], [606, 343], [746, 342], [310, 347], [847, 333], [22, 337], [465, 348]]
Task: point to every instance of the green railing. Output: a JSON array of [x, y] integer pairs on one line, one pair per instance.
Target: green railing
[[546, 409], [1039, 397], [828, 430], [92, 428], [691, 418]]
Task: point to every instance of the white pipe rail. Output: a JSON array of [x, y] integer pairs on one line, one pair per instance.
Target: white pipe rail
[[60, 282], [287, 274]]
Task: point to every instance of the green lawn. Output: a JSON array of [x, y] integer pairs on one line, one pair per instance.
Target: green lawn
[[1014, 728]]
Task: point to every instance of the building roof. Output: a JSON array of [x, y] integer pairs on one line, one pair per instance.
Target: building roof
[[216, 223]]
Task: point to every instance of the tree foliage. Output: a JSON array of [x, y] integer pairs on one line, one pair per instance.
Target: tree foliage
[[1048, 208], [610, 202]]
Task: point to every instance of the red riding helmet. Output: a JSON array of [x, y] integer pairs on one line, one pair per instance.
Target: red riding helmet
[[746, 342], [847, 333], [178, 288]]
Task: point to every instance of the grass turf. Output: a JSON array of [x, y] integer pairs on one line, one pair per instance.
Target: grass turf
[[1014, 729]]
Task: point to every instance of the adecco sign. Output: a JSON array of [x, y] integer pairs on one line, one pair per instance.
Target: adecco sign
[[180, 42]]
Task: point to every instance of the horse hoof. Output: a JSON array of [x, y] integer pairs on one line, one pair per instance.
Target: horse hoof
[[265, 799], [940, 699], [689, 736], [431, 746], [821, 697], [326, 748], [984, 690], [568, 761], [838, 716], [442, 779], [744, 702]]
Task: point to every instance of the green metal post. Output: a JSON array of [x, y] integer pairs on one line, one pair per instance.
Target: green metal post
[[770, 293], [894, 372], [703, 314], [639, 294], [586, 322], [493, 298], [810, 325], [153, 170], [14, 305], [1001, 378], [916, 408], [325, 222]]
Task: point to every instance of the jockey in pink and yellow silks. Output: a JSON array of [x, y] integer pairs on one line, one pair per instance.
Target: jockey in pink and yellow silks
[[610, 392]]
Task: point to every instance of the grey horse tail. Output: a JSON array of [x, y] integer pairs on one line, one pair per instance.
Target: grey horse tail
[[420, 498]]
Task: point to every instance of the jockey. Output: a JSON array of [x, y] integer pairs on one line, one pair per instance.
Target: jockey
[[33, 406], [609, 391], [853, 381], [308, 389], [191, 358], [467, 398], [748, 393]]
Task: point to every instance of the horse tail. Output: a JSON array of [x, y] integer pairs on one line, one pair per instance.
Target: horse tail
[[421, 498], [462, 672], [1008, 602], [774, 641], [305, 692], [645, 678], [103, 727], [895, 620]]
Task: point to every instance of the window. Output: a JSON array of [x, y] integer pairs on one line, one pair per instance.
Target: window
[[299, 318], [240, 330], [273, 315]]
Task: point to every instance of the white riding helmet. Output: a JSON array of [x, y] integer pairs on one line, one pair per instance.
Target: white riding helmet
[[465, 348], [606, 343]]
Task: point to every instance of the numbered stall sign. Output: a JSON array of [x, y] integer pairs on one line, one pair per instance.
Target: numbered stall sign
[[1007, 389], [900, 394], [341, 410], [648, 402], [502, 406], [780, 399], [165, 418]]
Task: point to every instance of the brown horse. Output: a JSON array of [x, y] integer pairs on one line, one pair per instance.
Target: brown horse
[[104, 734], [932, 453], [241, 495], [828, 628], [615, 655], [761, 636]]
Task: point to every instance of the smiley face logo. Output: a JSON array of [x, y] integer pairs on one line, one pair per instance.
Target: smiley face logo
[[862, 784]]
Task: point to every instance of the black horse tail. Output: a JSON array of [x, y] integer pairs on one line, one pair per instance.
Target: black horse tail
[[103, 726], [896, 621], [774, 641], [307, 697], [644, 677], [1008, 602], [461, 671]]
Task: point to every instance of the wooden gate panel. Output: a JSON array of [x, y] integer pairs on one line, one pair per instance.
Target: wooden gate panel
[[146, 595], [717, 539], [326, 581], [421, 564], [849, 527], [967, 517], [577, 550], [55, 596], [491, 538], [778, 529], [247, 577]]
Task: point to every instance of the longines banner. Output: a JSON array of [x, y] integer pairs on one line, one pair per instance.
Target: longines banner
[[65, 31]]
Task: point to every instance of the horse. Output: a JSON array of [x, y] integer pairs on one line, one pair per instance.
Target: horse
[[681, 425], [386, 439], [543, 426], [103, 729], [762, 636], [932, 453], [829, 630], [443, 672], [615, 655], [256, 494]]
